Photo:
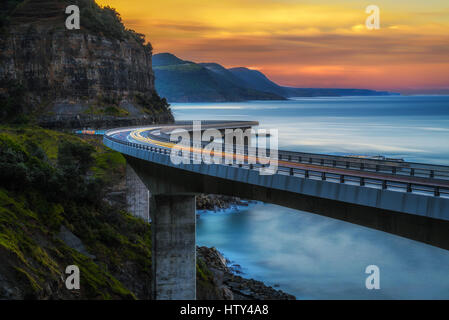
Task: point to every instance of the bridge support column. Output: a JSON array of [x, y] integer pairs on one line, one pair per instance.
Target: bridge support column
[[137, 195], [174, 250]]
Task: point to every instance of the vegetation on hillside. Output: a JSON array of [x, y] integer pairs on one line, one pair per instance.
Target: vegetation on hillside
[[48, 180], [102, 20], [106, 20], [153, 103], [184, 81]]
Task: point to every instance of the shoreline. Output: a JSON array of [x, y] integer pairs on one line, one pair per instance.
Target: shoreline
[[228, 277], [229, 285]]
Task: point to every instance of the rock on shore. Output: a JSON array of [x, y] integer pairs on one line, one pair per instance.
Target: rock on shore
[[230, 286], [215, 202]]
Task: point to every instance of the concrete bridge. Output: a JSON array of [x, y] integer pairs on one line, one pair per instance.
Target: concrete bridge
[[403, 198]]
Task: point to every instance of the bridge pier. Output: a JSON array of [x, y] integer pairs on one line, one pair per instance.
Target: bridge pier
[[173, 249], [137, 195]]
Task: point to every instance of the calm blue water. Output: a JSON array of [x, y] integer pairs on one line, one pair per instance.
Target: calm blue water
[[314, 257]]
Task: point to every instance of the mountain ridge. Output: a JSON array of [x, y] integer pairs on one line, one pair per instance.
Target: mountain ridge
[[185, 81], [251, 84]]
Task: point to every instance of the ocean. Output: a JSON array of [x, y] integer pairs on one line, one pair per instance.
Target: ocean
[[315, 257]]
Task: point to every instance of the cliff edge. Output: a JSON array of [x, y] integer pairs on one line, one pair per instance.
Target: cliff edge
[[98, 76]]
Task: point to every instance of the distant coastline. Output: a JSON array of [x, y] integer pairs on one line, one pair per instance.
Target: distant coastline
[[185, 81]]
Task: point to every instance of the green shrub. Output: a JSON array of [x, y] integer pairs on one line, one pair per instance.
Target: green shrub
[[75, 157], [152, 102], [105, 20]]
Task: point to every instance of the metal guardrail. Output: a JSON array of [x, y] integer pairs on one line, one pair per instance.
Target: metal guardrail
[[369, 165], [383, 166], [384, 184], [393, 167]]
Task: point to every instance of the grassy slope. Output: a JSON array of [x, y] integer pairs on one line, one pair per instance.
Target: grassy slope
[[32, 255], [33, 258]]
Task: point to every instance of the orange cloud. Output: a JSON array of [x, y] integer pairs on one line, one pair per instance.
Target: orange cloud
[[317, 44]]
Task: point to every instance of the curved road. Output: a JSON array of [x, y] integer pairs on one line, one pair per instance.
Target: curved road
[[431, 180]]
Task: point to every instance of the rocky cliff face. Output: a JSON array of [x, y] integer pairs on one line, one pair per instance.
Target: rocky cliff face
[[79, 78]]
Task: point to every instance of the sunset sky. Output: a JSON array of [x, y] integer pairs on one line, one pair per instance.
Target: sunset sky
[[315, 43]]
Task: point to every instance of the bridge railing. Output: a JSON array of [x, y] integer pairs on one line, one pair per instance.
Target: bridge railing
[[384, 184], [393, 167], [373, 165], [352, 179], [384, 166]]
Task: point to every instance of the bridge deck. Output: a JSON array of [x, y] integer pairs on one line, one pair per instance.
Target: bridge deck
[[425, 179]]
